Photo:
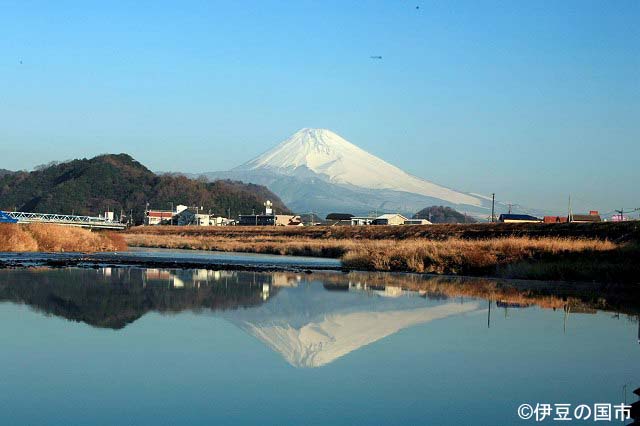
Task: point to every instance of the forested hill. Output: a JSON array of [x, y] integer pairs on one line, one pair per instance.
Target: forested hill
[[441, 214], [91, 186]]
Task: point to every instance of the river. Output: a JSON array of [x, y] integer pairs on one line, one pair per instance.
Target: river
[[108, 345]]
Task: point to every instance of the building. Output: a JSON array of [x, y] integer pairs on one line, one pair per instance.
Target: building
[[257, 220], [518, 218], [221, 221], [592, 217], [200, 219], [390, 219], [555, 219], [336, 219], [619, 218], [163, 217], [362, 220], [269, 218], [417, 222]]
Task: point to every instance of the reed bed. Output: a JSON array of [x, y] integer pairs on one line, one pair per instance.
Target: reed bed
[[457, 256], [613, 231], [292, 246], [555, 258], [56, 238]]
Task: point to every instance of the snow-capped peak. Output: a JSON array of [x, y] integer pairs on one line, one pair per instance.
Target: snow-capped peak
[[340, 162], [312, 148]]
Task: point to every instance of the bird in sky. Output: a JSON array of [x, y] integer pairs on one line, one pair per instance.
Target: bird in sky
[[375, 57]]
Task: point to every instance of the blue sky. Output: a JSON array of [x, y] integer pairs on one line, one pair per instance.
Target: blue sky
[[531, 100]]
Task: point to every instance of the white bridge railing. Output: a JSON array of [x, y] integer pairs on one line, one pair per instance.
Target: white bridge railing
[[66, 219]]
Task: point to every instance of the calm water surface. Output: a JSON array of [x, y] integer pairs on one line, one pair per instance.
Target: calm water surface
[[116, 346]]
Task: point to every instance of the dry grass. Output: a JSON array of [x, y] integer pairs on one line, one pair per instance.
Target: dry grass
[[514, 257], [57, 238], [292, 246], [456, 256], [16, 238]]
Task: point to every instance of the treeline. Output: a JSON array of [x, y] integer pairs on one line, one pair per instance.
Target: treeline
[[120, 183], [441, 214]]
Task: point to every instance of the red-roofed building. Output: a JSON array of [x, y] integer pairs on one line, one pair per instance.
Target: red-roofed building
[[160, 217]]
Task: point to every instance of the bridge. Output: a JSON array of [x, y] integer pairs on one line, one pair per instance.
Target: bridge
[[92, 222]]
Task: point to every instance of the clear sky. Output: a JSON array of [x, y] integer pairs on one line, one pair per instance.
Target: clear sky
[[532, 100]]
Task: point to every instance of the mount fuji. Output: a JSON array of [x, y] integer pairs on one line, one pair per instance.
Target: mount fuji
[[316, 170], [311, 327]]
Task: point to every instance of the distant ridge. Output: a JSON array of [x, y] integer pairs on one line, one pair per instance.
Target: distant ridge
[[442, 214]]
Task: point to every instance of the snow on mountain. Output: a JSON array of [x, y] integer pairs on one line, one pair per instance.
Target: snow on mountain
[[311, 327], [318, 344], [337, 161]]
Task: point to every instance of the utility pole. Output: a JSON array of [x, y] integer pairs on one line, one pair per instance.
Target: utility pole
[[493, 207], [570, 216], [510, 208]]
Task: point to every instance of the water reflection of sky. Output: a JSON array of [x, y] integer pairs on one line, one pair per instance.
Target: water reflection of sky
[[384, 355]]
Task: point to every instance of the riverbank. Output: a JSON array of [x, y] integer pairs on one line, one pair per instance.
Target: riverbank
[[578, 252], [41, 237], [611, 231]]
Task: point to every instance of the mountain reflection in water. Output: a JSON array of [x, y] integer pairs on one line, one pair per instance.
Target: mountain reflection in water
[[311, 320]]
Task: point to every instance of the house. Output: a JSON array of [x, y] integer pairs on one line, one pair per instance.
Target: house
[[201, 219], [417, 222], [163, 217], [185, 217], [586, 218], [157, 217], [518, 218], [390, 219]]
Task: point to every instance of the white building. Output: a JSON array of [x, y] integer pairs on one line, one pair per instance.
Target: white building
[[200, 219], [362, 220], [164, 217], [390, 219]]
